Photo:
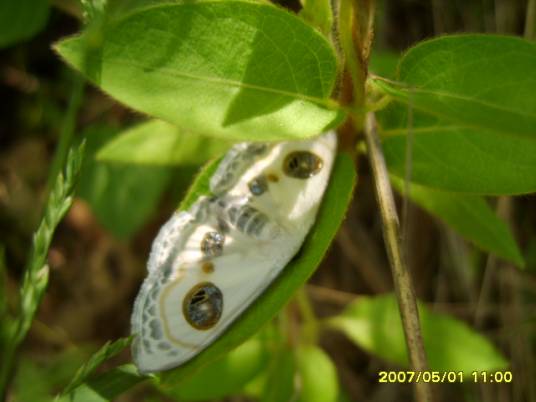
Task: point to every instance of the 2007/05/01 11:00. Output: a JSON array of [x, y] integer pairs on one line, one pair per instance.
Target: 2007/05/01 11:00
[[409, 376]]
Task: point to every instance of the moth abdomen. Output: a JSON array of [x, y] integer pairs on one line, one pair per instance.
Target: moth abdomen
[[252, 222]]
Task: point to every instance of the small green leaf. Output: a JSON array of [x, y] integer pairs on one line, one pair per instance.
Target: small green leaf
[[330, 216], [454, 158], [474, 81], [122, 196], [259, 72], [225, 376], [21, 19], [470, 215], [106, 352], [318, 375], [374, 324], [159, 143]]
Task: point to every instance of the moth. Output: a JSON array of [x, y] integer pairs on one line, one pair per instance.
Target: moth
[[210, 262]]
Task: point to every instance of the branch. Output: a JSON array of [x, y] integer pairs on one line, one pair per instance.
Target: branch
[[403, 286]]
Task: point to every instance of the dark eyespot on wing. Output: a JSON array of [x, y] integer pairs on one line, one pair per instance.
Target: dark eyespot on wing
[[212, 244], [258, 185], [203, 306], [302, 164]]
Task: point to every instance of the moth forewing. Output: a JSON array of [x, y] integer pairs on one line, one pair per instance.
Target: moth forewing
[[208, 264]]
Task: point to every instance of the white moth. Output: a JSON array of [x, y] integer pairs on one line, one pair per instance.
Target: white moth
[[209, 263]]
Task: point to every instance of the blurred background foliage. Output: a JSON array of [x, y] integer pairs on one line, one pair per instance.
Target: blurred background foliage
[[97, 258]]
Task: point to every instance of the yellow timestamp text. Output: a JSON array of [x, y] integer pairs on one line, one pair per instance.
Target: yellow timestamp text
[[410, 376], [492, 376]]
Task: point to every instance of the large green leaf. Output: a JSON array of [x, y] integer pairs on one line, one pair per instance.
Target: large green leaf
[[318, 375], [475, 81], [455, 158], [470, 215], [374, 324], [122, 196], [159, 143], [226, 375], [232, 69], [330, 216], [21, 19]]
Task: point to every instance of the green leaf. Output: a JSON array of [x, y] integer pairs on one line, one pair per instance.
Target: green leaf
[[330, 216], [318, 375], [259, 72], [107, 351], [225, 376], [122, 196], [470, 215], [374, 324], [159, 143], [383, 63], [21, 19], [457, 159], [475, 81]]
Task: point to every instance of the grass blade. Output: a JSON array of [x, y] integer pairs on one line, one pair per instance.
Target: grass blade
[[36, 273]]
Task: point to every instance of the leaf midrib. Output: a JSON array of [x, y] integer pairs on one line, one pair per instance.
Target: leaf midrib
[[407, 92], [230, 83]]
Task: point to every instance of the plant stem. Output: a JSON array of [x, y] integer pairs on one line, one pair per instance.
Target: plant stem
[[403, 286], [310, 323], [530, 21], [67, 129], [355, 64]]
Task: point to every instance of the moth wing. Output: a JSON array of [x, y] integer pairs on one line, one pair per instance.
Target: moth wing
[[166, 319], [187, 302], [292, 201], [234, 163]]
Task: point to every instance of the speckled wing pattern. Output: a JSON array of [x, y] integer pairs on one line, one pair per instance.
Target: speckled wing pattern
[[210, 262]]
